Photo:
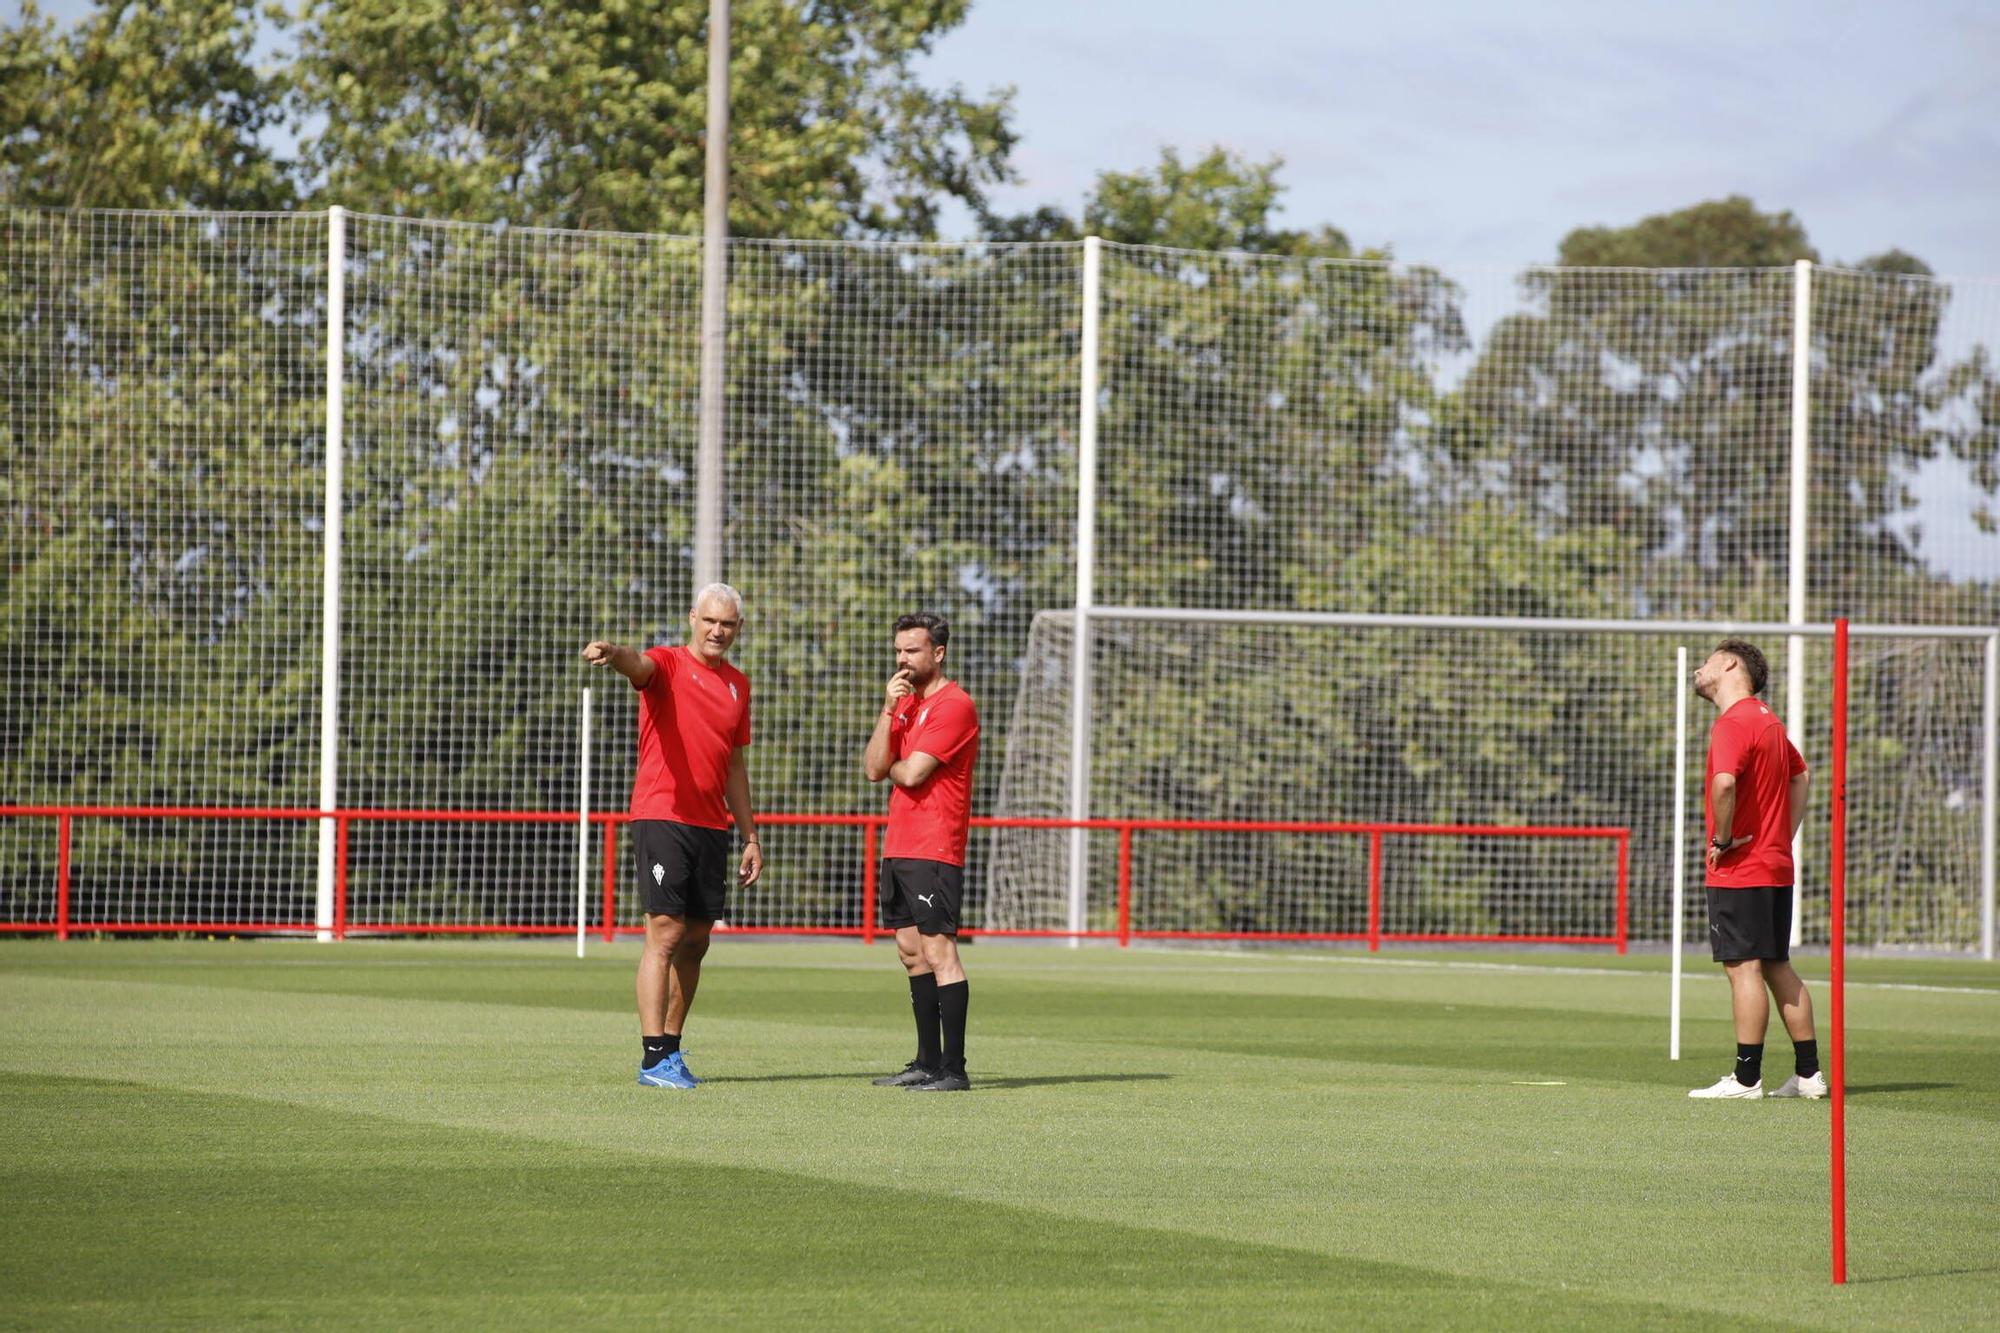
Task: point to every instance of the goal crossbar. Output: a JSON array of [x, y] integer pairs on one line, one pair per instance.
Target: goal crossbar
[[1080, 618], [1519, 624]]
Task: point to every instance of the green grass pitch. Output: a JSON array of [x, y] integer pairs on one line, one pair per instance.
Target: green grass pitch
[[431, 1134]]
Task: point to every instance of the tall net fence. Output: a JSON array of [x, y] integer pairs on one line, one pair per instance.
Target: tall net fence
[[162, 428], [1545, 732], [518, 458]]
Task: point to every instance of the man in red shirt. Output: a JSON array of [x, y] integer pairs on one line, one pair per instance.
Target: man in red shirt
[[925, 741], [693, 781], [1754, 794]]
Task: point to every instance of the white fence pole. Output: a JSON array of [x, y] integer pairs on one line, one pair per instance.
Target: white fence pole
[[583, 822], [1681, 688], [1801, 517], [1990, 775], [1086, 592], [329, 614]]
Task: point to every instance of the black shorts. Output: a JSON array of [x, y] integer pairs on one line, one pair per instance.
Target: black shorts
[[1750, 923], [924, 894], [683, 869]]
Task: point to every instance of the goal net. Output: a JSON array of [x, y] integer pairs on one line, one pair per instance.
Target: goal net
[[1544, 731]]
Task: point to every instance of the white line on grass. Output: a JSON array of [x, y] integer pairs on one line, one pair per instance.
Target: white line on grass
[[1648, 974]]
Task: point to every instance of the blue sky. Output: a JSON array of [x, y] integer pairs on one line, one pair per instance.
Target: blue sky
[[1476, 132], [1462, 131]]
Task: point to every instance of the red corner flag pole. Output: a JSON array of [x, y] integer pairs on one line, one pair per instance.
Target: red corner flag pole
[[1836, 1062]]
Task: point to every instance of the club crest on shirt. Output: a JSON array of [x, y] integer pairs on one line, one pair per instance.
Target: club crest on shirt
[[732, 689], [923, 713]]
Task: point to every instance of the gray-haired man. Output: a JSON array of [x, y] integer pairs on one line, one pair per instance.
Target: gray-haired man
[[693, 782]]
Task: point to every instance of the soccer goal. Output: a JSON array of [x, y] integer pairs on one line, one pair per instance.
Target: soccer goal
[[1542, 728]]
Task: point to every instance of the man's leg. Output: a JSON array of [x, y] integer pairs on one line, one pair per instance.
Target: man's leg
[[1752, 1011], [953, 993], [684, 973], [1795, 1008], [663, 934], [923, 995], [654, 986]]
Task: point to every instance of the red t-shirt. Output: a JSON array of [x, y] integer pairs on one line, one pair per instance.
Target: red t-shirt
[[691, 719], [1750, 742], [928, 822]]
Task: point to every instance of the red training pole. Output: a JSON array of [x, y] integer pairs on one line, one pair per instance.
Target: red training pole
[[1836, 1061]]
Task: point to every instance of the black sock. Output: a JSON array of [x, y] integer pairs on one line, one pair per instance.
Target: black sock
[[1749, 1063], [656, 1050], [924, 1004], [1805, 1058], [951, 1012]]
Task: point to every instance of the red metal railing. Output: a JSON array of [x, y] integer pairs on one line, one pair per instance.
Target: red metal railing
[[870, 825]]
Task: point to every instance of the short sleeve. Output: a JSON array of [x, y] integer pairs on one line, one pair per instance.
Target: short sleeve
[[948, 730], [1728, 748], [742, 737], [663, 670], [1797, 760]]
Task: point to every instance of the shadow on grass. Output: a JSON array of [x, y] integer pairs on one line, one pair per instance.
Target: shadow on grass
[[861, 1074], [978, 1083], [1054, 1080], [1932, 1272], [1874, 1089]]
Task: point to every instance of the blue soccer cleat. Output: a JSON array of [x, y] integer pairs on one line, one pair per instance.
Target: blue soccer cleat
[[671, 1072]]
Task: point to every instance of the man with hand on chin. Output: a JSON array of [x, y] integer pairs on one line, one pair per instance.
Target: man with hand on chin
[[925, 741]]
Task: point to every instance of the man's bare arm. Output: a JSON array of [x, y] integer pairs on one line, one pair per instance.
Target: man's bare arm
[[913, 770], [630, 663], [875, 762], [736, 791], [1801, 787], [1722, 800]]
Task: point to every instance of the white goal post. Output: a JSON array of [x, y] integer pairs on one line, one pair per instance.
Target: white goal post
[[1511, 719]]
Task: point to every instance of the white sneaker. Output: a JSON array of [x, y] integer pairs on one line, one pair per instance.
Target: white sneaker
[[1802, 1087], [1729, 1087]]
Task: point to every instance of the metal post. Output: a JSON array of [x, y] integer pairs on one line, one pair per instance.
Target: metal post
[[710, 459], [1989, 788], [583, 825], [329, 606], [1086, 592], [1681, 688], [1797, 557], [1836, 897]]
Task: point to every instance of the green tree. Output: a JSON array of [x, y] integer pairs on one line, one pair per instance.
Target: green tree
[[154, 105], [1257, 407], [592, 115]]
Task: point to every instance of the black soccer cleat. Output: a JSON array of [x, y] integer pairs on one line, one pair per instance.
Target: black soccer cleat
[[910, 1075], [951, 1080]]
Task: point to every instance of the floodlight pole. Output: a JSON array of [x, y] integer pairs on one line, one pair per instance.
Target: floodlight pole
[[1086, 593], [709, 455]]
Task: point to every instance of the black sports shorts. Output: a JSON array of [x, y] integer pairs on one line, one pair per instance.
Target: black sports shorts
[[683, 869], [1750, 923], [924, 894]]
